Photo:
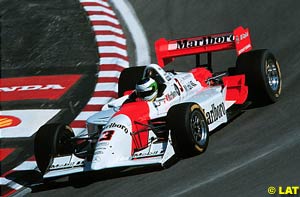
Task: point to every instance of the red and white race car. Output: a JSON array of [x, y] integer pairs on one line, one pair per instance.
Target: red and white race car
[[188, 106]]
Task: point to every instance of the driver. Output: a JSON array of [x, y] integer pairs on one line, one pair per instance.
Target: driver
[[152, 73], [145, 90]]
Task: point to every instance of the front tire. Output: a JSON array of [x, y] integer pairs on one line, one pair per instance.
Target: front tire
[[189, 129], [52, 140]]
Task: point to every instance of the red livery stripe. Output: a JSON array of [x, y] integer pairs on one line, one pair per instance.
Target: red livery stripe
[[140, 132]]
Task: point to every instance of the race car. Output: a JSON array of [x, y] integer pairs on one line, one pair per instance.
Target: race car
[[187, 107]]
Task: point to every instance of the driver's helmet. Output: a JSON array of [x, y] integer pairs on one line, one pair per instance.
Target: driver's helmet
[[152, 73], [146, 89]]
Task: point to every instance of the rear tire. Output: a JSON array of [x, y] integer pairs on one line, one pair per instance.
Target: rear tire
[[129, 78], [52, 140], [263, 76], [189, 129]]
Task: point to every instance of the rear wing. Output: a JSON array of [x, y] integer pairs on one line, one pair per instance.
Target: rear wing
[[167, 50]]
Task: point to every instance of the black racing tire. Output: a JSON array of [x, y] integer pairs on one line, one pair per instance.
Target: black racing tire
[[129, 78], [52, 140], [263, 76], [189, 129]]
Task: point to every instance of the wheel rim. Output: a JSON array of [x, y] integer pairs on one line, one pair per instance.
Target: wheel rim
[[199, 129], [272, 74]]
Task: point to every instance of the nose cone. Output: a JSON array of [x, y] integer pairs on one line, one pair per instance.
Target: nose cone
[[114, 144]]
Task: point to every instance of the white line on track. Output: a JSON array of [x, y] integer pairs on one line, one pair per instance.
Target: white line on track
[[136, 30], [226, 172]]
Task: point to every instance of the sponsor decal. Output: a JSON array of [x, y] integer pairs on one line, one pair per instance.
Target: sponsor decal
[[203, 41], [190, 85], [103, 144], [9, 121], [242, 37], [242, 40], [99, 152], [67, 165], [106, 135], [179, 84], [177, 89], [115, 125], [148, 154], [28, 122], [50, 87], [168, 76], [215, 113], [244, 49], [186, 77], [171, 95], [32, 87]]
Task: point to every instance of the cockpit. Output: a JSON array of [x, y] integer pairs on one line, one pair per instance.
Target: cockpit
[[157, 73]]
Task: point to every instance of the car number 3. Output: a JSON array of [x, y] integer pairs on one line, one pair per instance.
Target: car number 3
[[106, 135]]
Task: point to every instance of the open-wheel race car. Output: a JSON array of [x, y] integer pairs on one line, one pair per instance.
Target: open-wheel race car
[[176, 121]]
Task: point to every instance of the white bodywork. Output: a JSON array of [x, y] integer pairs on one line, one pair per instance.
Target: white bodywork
[[114, 146]]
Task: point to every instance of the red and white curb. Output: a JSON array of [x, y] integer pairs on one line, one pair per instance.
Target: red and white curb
[[13, 186], [142, 51], [113, 59]]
